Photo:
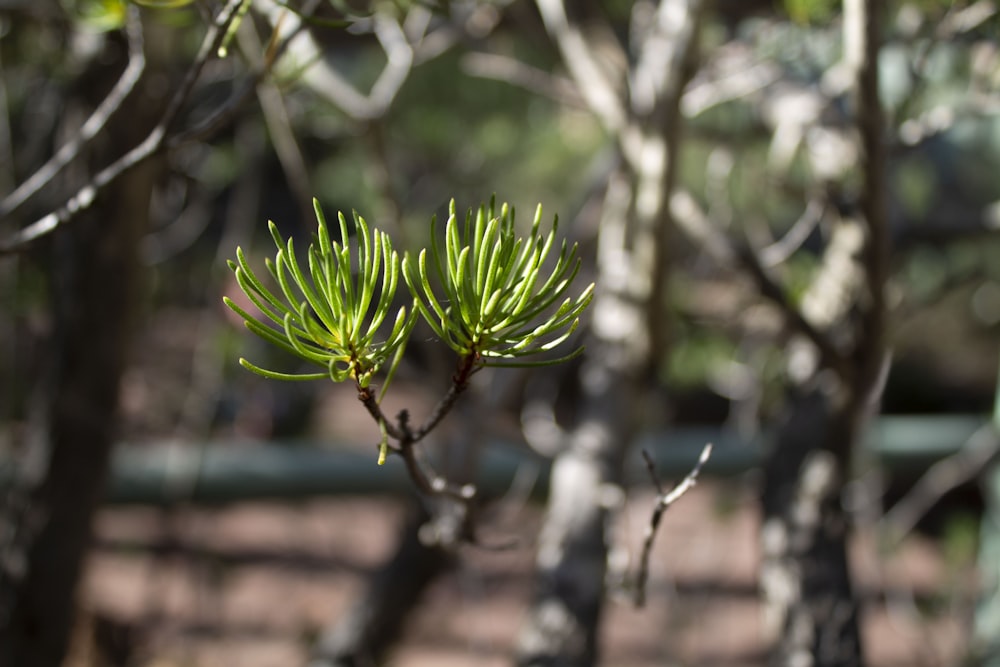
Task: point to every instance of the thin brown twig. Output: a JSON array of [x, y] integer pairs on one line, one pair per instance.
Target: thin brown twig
[[426, 479], [663, 502], [459, 383]]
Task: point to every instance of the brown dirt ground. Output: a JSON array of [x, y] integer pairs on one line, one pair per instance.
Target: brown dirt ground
[[250, 585]]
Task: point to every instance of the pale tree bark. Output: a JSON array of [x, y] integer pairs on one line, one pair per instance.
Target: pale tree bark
[[640, 110], [418, 36], [805, 577]]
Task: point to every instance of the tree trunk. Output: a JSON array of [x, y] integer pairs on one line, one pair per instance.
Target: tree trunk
[[562, 623], [805, 573], [371, 626], [805, 569], [46, 524], [628, 326]]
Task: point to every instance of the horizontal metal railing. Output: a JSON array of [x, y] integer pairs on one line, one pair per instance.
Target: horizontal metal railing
[[229, 471]]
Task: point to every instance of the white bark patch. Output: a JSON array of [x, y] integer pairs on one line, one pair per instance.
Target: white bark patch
[[579, 482]]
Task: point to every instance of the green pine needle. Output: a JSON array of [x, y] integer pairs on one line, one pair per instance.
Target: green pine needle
[[496, 299], [498, 291], [328, 316]]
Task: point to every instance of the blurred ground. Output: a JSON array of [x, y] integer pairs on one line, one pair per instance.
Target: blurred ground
[[251, 585]]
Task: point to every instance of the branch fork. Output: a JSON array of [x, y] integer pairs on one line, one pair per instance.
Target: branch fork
[[664, 500]]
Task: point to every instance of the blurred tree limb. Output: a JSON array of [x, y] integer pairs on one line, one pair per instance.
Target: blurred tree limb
[[162, 137], [93, 125]]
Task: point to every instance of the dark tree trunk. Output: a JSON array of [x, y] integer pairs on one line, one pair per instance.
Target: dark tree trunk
[[45, 529], [804, 542], [805, 571], [93, 286], [370, 628]]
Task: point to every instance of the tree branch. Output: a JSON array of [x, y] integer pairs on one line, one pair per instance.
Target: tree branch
[[421, 473], [706, 93], [663, 502], [942, 477], [581, 62], [272, 106], [94, 124], [149, 147], [694, 223], [517, 73], [328, 83]]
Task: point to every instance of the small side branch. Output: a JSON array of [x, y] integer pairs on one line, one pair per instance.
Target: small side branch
[[581, 61], [428, 481], [522, 75], [330, 83], [459, 383], [663, 501], [974, 456], [771, 290]]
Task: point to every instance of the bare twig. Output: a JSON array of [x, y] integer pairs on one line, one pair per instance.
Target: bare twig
[[422, 474], [327, 82], [779, 251], [663, 502], [474, 20], [517, 73], [706, 93], [226, 112], [695, 224], [286, 147], [97, 120], [578, 57], [770, 289], [150, 146], [942, 477]]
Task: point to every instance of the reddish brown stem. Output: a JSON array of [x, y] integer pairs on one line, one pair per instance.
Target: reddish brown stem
[[425, 478]]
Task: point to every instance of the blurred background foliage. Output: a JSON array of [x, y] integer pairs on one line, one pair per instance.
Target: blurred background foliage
[[485, 110], [450, 133]]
